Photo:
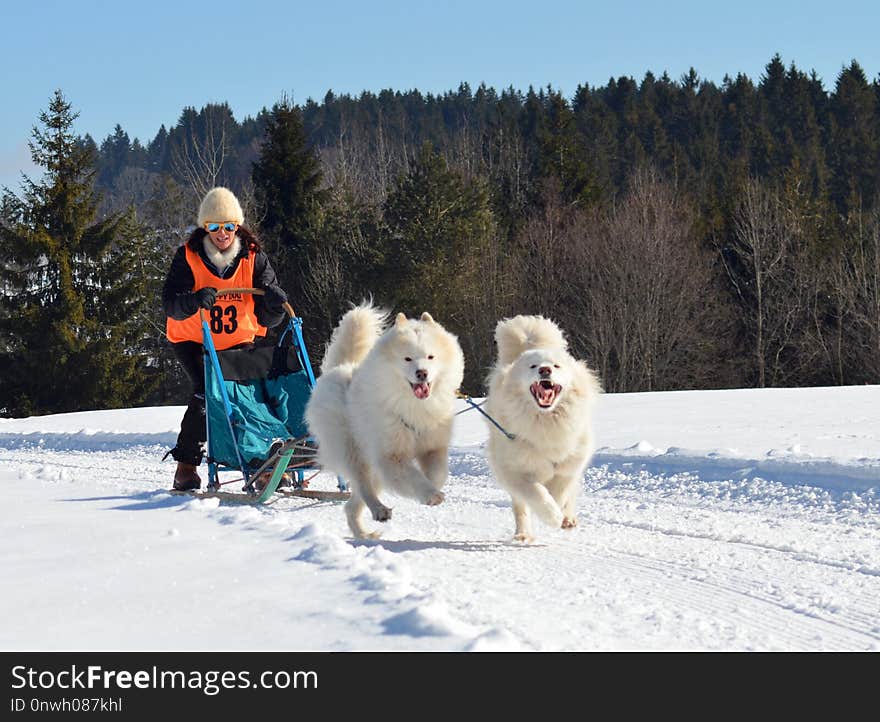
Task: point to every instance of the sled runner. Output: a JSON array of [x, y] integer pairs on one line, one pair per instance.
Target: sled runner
[[255, 400]]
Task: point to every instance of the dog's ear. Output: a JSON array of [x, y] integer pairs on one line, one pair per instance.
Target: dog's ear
[[400, 321], [427, 317], [511, 340]]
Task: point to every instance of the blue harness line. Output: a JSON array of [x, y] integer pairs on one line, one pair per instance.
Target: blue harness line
[[476, 406]]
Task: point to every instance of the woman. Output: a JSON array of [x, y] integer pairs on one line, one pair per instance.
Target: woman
[[219, 253]]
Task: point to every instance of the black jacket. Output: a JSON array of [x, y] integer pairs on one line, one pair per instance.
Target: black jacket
[[179, 301]]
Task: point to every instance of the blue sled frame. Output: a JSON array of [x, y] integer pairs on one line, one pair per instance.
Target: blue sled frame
[[293, 455]]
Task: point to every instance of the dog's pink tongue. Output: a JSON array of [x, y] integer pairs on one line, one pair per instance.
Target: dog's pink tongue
[[543, 396], [421, 390]]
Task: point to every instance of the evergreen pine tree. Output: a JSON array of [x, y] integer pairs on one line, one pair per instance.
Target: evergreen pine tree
[[562, 154], [157, 152], [597, 125], [114, 156], [68, 340], [653, 100], [439, 245], [854, 146], [774, 98], [288, 185]]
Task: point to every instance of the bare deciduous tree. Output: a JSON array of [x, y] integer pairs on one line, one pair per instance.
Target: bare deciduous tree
[[866, 275], [851, 339], [545, 254], [644, 284], [199, 160], [629, 286], [132, 187], [764, 263]]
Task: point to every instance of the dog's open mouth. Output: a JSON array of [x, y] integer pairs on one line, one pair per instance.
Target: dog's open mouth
[[422, 390], [545, 392]]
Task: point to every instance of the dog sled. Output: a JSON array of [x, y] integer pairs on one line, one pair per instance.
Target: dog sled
[[255, 401]]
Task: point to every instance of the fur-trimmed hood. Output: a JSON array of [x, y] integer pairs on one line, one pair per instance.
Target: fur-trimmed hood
[[222, 260]]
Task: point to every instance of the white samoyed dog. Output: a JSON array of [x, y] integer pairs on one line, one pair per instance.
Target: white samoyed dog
[[382, 409], [544, 398]]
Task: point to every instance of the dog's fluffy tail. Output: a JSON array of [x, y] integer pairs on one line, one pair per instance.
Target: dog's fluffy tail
[[516, 335], [355, 335]]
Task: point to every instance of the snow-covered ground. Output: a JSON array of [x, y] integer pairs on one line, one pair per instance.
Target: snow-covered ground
[[714, 520]]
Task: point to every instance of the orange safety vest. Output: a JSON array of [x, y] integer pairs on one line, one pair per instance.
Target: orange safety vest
[[231, 319]]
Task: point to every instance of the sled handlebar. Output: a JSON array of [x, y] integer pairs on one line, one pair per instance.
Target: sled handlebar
[[255, 292]]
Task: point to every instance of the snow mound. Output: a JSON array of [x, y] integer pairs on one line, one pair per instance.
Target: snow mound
[[432, 619], [788, 467]]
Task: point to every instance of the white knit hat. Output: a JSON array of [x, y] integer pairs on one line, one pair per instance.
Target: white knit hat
[[218, 205]]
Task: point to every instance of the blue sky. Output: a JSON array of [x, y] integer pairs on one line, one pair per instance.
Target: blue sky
[[139, 64]]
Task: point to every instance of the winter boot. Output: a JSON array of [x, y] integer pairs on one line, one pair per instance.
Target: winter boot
[[186, 478]]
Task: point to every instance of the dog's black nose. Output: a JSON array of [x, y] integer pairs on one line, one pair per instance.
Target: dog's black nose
[[422, 375], [545, 371]]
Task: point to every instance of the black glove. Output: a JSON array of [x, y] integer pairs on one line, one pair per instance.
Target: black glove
[[205, 297], [274, 299]]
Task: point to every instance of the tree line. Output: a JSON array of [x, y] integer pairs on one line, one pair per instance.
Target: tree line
[[684, 234]]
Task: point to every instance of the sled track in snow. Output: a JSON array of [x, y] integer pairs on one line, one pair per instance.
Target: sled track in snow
[[655, 563], [721, 609], [723, 590], [736, 597]]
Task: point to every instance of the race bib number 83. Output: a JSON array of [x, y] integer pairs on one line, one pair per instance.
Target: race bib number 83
[[223, 319]]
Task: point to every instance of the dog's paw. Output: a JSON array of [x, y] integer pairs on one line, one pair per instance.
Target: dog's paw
[[365, 535], [569, 522], [523, 538], [382, 514], [436, 498]]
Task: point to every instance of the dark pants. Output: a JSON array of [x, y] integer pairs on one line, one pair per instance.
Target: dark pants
[[190, 447], [193, 432]]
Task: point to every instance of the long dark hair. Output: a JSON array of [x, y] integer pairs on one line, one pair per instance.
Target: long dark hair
[[248, 239]]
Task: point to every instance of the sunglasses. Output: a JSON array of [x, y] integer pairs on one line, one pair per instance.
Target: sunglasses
[[228, 226]]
